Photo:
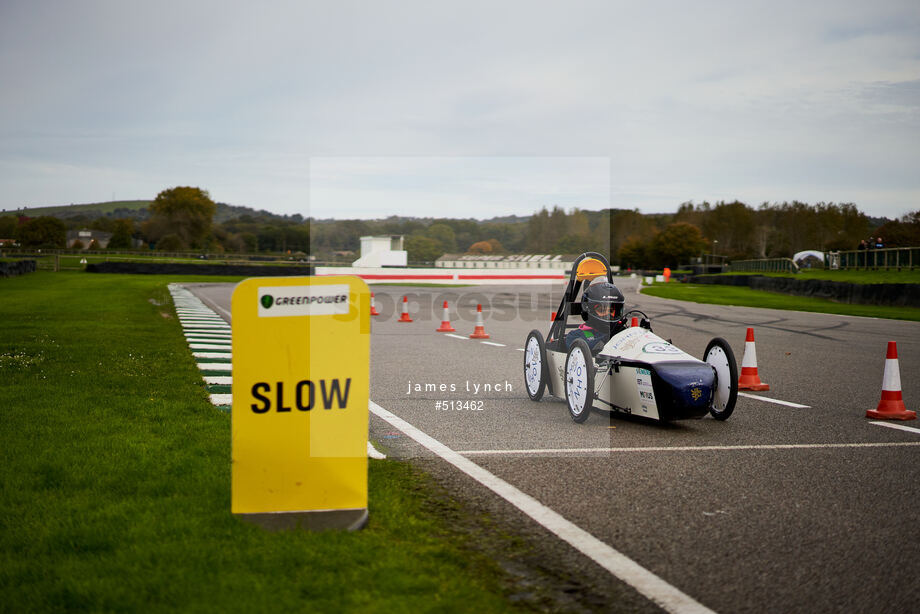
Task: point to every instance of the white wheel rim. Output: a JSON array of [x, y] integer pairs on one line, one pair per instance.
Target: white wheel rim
[[533, 367], [577, 381], [719, 361]]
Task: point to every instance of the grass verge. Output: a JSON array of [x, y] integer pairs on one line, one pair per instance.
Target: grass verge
[[746, 297], [849, 276], [115, 480]]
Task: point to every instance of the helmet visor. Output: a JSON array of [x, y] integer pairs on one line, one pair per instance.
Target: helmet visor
[[605, 311]]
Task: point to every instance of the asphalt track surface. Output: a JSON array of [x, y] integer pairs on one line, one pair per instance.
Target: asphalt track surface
[[777, 509]]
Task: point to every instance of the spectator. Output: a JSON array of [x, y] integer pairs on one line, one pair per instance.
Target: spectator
[[879, 244]]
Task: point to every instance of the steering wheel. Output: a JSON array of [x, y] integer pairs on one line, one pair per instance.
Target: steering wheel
[[643, 318]]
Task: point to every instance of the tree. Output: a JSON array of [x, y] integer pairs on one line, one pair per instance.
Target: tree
[[480, 247], [249, 241], [677, 243], [733, 225], [629, 225], [121, 234], [633, 253], [538, 231], [45, 231], [578, 238], [900, 233], [184, 211], [496, 246], [445, 235], [171, 243], [574, 244], [558, 227], [423, 249], [8, 225]]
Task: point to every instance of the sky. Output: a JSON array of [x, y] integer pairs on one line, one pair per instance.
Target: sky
[[342, 109]]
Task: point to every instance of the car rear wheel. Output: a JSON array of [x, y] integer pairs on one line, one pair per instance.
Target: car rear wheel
[[579, 380], [720, 357]]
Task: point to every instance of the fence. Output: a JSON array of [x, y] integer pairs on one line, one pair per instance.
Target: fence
[[876, 259], [767, 265]]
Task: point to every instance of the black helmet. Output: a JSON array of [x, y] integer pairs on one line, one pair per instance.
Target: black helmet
[[602, 305]]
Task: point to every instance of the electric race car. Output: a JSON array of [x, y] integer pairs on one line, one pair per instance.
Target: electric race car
[[595, 355]]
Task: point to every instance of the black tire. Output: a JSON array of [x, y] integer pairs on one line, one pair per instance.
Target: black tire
[[719, 355], [532, 355], [579, 384]]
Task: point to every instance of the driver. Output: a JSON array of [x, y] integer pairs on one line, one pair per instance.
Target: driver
[[602, 310]]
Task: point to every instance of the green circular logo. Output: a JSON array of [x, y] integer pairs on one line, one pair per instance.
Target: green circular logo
[[267, 301]]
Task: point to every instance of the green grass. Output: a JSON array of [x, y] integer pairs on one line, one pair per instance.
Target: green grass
[[746, 297], [115, 480], [72, 262], [850, 276]]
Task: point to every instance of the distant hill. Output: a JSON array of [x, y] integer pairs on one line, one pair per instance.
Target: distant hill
[[127, 208], [137, 210]]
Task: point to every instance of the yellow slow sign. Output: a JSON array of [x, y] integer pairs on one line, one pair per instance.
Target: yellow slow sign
[[301, 353]]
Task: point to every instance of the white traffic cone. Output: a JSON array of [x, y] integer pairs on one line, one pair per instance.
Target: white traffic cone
[[405, 312], [891, 406], [479, 332], [445, 322], [374, 311], [749, 379]]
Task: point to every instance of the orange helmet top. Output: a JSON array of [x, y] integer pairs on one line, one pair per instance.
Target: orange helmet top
[[589, 268]]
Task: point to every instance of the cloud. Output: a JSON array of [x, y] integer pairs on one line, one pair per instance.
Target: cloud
[[693, 100], [480, 187]]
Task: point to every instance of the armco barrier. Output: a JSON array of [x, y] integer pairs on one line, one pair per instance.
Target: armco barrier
[[450, 276], [16, 267], [895, 295], [177, 268]]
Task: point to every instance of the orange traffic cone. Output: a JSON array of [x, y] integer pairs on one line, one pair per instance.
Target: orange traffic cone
[[445, 322], [479, 332], [891, 406], [405, 312], [749, 379], [374, 311]]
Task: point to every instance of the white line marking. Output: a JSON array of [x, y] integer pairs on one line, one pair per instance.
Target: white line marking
[[215, 340], [455, 336], [373, 452], [215, 366], [208, 327], [214, 335], [900, 427], [219, 308], [212, 354], [222, 399], [499, 345], [778, 446], [644, 581], [769, 400], [209, 346], [521, 350], [218, 380]]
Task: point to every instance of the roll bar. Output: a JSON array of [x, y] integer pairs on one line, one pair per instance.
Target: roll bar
[[557, 330]]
